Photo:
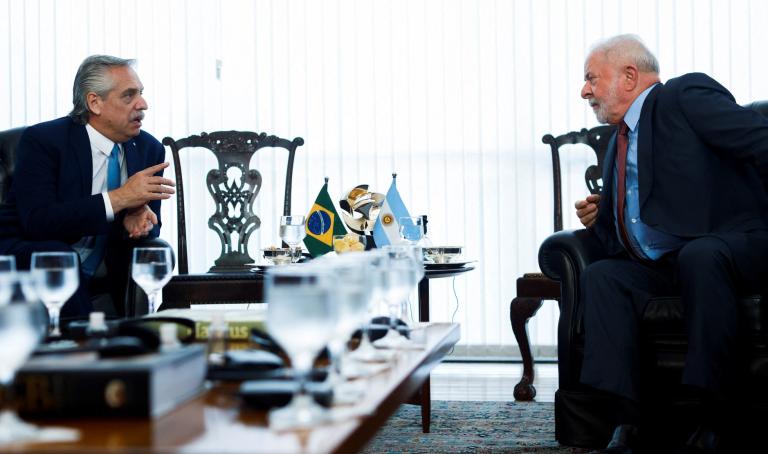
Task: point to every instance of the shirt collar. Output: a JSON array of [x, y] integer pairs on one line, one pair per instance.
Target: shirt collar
[[99, 141], [633, 114]]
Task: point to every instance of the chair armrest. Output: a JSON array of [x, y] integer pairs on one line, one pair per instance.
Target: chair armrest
[[569, 251], [562, 257]]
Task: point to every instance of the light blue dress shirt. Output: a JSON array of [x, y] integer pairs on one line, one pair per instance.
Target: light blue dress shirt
[[646, 241]]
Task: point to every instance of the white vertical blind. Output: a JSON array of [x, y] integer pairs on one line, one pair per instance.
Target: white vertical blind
[[452, 95]]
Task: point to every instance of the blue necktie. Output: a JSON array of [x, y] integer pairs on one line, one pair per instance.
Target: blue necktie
[[113, 182], [113, 169]]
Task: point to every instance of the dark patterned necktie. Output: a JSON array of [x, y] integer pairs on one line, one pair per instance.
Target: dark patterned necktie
[[622, 142]]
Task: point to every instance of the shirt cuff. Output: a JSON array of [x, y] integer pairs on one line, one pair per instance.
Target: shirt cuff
[[108, 207]]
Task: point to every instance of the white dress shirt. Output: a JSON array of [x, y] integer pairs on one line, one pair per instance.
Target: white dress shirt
[[101, 149]]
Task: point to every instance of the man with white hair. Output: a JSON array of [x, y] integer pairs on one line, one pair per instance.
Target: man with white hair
[[683, 210], [88, 183]]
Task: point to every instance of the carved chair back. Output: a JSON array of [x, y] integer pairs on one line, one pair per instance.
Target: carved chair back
[[234, 220], [597, 140]]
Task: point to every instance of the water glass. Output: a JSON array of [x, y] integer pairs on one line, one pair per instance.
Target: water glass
[[412, 229], [378, 261], [300, 314], [19, 335], [292, 232], [56, 278], [7, 273], [351, 295], [398, 279], [151, 269]]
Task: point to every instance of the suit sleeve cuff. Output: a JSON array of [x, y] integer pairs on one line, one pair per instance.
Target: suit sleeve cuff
[[108, 207]]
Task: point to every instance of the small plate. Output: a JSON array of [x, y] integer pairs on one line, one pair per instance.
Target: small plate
[[447, 266], [266, 265]]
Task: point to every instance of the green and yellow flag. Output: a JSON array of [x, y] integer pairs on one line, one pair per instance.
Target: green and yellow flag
[[322, 223]]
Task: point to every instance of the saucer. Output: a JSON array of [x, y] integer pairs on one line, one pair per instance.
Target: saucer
[[448, 266]]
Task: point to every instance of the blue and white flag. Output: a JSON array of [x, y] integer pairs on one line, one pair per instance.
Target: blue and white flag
[[387, 228]]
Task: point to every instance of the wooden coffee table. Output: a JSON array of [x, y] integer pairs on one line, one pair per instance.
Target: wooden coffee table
[[216, 421]]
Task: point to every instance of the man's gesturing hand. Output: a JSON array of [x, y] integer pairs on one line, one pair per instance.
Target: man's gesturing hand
[[586, 209], [138, 222], [141, 188]]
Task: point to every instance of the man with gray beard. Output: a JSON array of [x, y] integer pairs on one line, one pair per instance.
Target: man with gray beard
[[684, 210]]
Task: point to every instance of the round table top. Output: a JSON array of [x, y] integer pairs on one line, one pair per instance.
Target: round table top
[[446, 272]]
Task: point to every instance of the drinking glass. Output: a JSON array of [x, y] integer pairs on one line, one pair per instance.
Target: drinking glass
[[378, 261], [399, 278], [406, 250], [151, 269], [7, 273], [351, 296], [56, 278], [412, 229], [292, 232], [19, 334], [300, 315]]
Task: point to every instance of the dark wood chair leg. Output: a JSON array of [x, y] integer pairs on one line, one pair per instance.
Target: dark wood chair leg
[[426, 406], [520, 310]]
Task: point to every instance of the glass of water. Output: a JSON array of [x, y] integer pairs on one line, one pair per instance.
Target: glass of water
[[7, 273], [412, 229], [19, 334], [151, 269], [292, 232], [300, 315], [399, 278], [56, 278]]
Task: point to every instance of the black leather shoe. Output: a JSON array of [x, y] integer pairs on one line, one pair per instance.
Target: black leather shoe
[[624, 441], [703, 441]]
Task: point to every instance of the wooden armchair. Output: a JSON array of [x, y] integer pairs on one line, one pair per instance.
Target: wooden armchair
[[533, 288], [233, 186]]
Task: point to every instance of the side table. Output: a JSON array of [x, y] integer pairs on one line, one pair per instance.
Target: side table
[[424, 396], [424, 286]]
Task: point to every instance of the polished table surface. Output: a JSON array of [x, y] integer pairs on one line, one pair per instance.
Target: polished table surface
[[216, 421]]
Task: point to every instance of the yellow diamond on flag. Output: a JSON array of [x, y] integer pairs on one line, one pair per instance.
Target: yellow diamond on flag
[[320, 224]]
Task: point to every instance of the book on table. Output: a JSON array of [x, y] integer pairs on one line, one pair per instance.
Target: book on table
[[82, 384], [239, 322]]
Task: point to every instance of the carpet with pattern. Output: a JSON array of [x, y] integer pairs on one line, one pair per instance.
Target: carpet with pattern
[[472, 427]]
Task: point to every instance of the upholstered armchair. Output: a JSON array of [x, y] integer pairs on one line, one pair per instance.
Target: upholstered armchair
[[582, 417]]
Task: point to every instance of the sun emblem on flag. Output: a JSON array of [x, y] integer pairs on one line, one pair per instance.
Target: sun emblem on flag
[[387, 219]]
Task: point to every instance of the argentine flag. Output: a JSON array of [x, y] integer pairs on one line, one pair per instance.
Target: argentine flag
[[387, 228]]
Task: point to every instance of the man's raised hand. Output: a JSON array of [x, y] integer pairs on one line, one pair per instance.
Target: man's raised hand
[[142, 188], [586, 209]]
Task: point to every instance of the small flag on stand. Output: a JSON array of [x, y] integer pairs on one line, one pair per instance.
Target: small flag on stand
[[322, 223], [387, 228]]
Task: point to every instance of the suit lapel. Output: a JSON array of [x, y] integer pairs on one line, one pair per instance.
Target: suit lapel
[[133, 158], [606, 199], [80, 147], [645, 146]]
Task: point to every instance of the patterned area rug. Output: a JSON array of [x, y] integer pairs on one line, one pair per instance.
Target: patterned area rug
[[476, 427]]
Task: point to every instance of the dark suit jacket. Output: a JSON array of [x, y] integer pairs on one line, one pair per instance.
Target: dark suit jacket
[[50, 196], [702, 164]]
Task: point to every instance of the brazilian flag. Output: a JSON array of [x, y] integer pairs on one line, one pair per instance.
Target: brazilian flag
[[322, 223]]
